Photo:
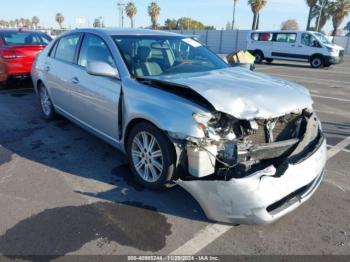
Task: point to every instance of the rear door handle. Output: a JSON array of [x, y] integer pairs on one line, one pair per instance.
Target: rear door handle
[[75, 80]]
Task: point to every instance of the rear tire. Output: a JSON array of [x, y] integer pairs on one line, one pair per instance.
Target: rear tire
[[259, 57], [152, 157], [46, 103], [317, 61]]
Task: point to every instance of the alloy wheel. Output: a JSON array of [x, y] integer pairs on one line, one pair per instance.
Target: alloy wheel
[[147, 157], [45, 101]]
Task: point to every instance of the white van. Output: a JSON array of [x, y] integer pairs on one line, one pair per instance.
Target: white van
[[304, 46]]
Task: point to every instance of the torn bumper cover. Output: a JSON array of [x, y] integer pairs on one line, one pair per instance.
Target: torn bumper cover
[[260, 198], [266, 195]]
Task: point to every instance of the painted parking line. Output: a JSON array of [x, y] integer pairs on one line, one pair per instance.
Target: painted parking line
[[202, 239], [338, 147], [332, 98], [212, 232], [322, 71], [317, 80]]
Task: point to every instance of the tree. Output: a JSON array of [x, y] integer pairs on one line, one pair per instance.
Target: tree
[[290, 24], [347, 29], [256, 6], [170, 24], [28, 23], [228, 25], [311, 4], [17, 23], [12, 24], [35, 21], [131, 12], [22, 21], [189, 24], [97, 22], [154, 12], [339, 10], [59, 19]]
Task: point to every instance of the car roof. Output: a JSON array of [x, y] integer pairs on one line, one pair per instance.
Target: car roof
[[18, 31], [282, 31], [125, 31]]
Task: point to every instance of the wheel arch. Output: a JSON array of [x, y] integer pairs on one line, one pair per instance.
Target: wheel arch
[[316, 55]]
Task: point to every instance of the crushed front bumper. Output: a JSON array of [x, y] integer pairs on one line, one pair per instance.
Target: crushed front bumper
[[262, 197]]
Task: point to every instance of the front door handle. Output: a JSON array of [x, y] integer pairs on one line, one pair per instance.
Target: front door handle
[[75, 80], [47, 68]]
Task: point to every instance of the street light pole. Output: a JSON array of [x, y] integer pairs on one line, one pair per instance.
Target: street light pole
[[121, 6], [234, 13], [319, 17]]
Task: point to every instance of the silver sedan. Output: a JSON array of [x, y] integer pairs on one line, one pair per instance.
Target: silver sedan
[[247, 146]]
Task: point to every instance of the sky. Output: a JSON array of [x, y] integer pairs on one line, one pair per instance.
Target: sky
[[210, 12]]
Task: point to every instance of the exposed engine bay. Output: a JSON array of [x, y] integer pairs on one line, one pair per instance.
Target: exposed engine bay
[[234, 148]]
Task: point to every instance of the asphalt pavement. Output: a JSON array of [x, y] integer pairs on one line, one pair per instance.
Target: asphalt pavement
[[64, 191]]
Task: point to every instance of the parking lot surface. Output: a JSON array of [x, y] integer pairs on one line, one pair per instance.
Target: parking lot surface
[[63, 191]]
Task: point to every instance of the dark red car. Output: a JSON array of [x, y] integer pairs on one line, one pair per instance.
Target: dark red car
[[18, 49]]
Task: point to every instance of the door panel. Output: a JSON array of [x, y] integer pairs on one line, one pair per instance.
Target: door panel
[[58, 70], [96, 98], [307, 46]]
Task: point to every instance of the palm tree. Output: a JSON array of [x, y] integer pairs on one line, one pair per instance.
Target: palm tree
[[17, 23], [311, 4], [339, 10], [256, 6], [12, 24], [27, 23], [35, 21], [22, 21], [59, 19], [131, 12], [154, 12]]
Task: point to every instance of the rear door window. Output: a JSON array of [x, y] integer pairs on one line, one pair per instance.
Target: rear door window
[[66, 48], [286, 37], [265, 37], [25, 38]]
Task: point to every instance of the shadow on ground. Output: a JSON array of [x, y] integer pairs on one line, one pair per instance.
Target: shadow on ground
[[65, 147], [58, 231]]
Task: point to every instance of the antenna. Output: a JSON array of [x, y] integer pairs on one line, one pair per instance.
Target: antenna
[[121, 5]]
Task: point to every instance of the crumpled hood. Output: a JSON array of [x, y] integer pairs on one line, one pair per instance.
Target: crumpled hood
[[245, 94]]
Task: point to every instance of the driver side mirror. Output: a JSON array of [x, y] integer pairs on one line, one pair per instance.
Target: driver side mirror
[[101, 69]]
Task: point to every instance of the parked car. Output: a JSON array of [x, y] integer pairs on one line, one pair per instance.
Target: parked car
[[303, 46], [18, 49], [247, 146]]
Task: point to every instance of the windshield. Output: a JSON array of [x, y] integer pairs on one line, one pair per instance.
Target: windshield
[[323, 38], [166, 55], [25, 38]]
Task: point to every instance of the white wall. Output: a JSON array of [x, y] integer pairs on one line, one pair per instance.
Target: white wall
[[227, 41]]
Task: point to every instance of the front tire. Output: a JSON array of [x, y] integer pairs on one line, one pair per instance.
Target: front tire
[[317, 62], [269, 60], [46, 103], [152, 156]]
